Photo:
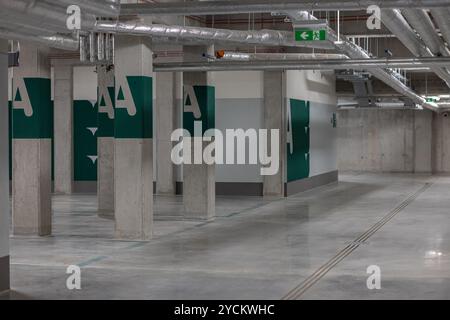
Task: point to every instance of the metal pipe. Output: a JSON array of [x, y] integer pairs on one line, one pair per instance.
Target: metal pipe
[[441, 17], [421, 22], [92, 46], [312, 64], [261, 37], [54, 41], [52, 15], [101, 8], [262, 6], [242, 56], [386, 75], [83, 49], [397, 24], [101, 46]]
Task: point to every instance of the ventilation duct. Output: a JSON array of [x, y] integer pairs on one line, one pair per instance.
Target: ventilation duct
[[441, 17], [54, 41], [47, 19], [310, 64], [385, 75], [241, 56], [263, 6], [261, 37], [396, 23], [421, 22], [97, 48]]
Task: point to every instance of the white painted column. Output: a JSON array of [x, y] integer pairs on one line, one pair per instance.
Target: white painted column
[[133, 133], [165, 124], [199, 181], [4, 168], [105, 141], [274, 118], [32, 209], [63, 126]]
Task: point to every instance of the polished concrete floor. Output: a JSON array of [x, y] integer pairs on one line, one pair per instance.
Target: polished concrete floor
[[305, 247]]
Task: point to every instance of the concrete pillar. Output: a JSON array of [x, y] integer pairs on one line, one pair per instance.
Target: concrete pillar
[[133, 133], [32, 131], [199, 191], [274, 118], [423, 137], [4, 168], [105, 141], [63, 126], [165, 124]]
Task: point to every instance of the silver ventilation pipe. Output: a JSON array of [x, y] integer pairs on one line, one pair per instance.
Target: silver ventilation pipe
[[397, 24], [242, 56], [54, 41], [302, 64], [184, 8], [385, 75], [47, 19], [421, 22], [51, 15], [441, 17], [100, 8], [260, 37]]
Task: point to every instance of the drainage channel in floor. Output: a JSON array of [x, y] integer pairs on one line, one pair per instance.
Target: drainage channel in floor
[[297, 292]]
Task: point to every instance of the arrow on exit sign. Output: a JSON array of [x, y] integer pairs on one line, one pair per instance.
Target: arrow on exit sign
[[310, 35]]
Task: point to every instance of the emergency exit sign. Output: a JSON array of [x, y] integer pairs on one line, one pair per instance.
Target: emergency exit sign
[[310, 35]]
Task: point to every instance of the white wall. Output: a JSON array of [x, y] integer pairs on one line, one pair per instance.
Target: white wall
[[84, 83], [239, 105]]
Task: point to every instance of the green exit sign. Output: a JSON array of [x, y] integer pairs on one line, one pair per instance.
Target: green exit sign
[[310, 35]]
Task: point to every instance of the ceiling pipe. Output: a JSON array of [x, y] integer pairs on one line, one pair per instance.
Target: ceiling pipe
[[51, 15], [441, 17], [54, 41], [100, 8], [242, 56], [302, 64], [386, 75], [47, 19], [421, 22], [260, 37], [263, 6], [397, 24]]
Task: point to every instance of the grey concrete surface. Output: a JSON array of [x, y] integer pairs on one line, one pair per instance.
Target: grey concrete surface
[[63, 126], [254, 249]]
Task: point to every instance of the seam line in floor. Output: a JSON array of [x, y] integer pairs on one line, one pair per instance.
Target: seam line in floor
[[297, 292]]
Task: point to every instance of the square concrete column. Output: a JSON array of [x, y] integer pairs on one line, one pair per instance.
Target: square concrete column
[[63, 126], [133, 133], [105, 141], [165, 125], [32, 131], [275, 118], [199, 191], [4, 168]]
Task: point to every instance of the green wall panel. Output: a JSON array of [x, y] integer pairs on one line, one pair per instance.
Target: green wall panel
[[139, 125], [298, 161], [39, 124], [206, 98], [85, 140]]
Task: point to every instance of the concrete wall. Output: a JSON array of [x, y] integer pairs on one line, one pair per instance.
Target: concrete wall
[[387, 140], [441, 143]]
